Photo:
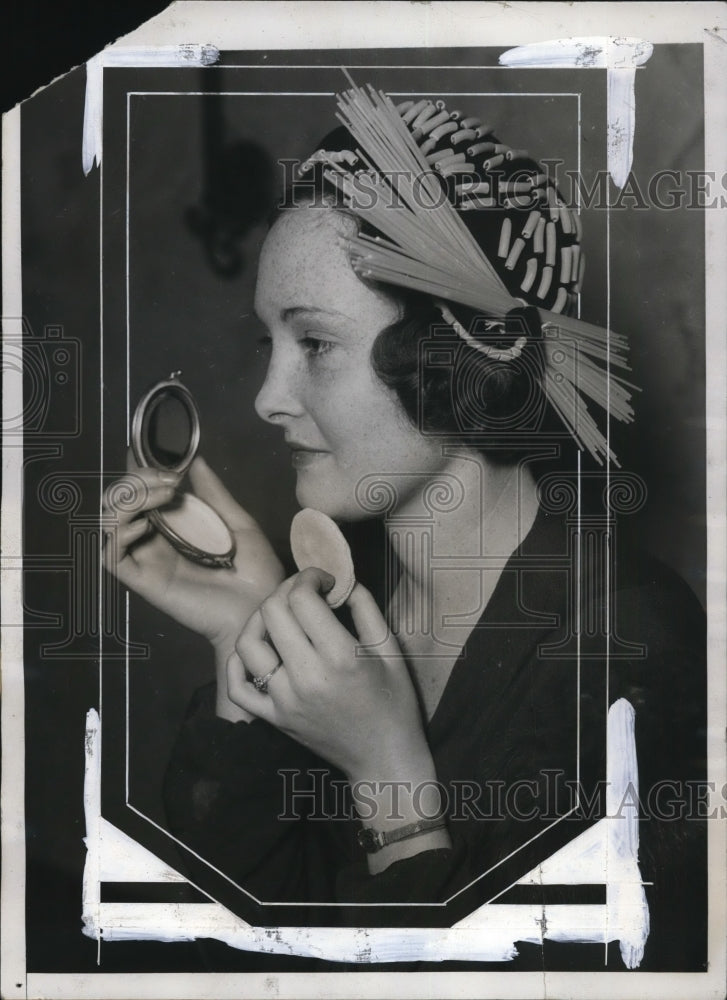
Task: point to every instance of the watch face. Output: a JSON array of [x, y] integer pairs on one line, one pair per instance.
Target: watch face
[[368, 839]]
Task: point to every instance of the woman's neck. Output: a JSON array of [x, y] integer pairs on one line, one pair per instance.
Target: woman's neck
[[471, 509], [452, 538]]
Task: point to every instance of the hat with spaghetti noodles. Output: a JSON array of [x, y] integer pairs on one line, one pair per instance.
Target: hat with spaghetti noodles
[[450, 211]]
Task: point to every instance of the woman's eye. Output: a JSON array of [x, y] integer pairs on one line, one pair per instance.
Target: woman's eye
[[315, 346]]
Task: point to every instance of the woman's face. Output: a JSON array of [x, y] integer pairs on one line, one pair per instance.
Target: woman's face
[[340, 422]]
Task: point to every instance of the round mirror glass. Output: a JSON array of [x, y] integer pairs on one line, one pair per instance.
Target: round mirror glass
[[165, 433], [167, 430]]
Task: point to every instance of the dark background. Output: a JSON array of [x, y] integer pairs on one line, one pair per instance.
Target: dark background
[[184, 313], [658, 300]]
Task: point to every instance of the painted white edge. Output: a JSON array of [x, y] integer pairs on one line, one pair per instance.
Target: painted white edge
[[607, 853], [12, 887], [186, 55], [626, 906], [619, 56]]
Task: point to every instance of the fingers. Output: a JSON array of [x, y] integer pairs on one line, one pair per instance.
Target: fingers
[[285, 631], [253, 648], [138, 491], [311, 610], [313, 580], [241, 692], [125, 503], [130, 533], [117, 559], [293, 625], [210, 488], [371, 626]]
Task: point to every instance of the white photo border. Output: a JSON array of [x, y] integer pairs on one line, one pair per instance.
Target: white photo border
[[243, 25]]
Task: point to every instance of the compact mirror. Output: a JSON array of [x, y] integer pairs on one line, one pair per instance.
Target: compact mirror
[[165, 435]]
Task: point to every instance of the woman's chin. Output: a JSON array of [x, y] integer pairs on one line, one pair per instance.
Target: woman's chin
[[320, 499], [327, 501]]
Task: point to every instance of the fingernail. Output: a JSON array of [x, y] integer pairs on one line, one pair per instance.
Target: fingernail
[[169, 477]]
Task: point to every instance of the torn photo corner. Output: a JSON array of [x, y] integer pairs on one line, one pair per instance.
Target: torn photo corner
[[440, 291]]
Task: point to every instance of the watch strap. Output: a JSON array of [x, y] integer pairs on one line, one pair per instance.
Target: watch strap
[[374, 840]]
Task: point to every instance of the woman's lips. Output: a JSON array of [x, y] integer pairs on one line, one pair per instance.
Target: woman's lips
[[302, 457]]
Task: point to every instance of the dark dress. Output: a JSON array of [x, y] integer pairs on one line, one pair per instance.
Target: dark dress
[[521, 721]]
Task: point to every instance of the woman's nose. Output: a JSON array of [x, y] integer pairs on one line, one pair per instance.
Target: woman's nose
[[278, 397]]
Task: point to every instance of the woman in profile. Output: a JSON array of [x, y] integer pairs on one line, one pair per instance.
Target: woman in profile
[[423, 367]]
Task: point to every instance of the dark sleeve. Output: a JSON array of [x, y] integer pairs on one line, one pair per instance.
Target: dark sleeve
[[659, 666], [424, 878], [227, 786], [225, 789]]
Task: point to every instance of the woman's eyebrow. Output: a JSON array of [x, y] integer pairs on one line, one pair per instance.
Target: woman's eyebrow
[[294, 311]]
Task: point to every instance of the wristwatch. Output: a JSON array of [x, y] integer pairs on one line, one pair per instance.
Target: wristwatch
[[374, 840]]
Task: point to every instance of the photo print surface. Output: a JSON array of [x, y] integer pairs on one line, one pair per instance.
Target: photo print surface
[[365, 469]]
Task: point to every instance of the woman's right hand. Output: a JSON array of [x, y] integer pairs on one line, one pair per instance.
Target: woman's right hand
[[213, 602]]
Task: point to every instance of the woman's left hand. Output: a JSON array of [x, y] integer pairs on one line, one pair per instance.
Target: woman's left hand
[[360, 713]]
